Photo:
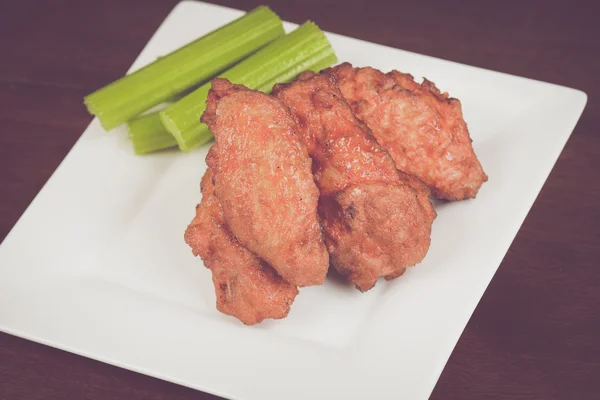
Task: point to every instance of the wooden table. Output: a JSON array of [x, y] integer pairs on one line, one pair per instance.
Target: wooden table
[[535, 333]]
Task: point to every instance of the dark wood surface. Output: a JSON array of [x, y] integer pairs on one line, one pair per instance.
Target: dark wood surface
[[535, 333]]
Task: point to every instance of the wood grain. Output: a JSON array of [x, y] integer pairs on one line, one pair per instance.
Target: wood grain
[[535, 333]]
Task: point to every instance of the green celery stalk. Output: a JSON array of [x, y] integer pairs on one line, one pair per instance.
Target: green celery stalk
[[162, 139], [305, 48], [159, 138], [148, 134], [184, 68]]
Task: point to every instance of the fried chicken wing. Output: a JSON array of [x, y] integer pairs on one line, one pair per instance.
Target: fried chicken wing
[[245, 286], [376, 229], [264, 182], [377, 221], [422, 128]]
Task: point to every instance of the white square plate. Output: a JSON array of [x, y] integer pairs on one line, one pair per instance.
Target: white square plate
[[97, 264]]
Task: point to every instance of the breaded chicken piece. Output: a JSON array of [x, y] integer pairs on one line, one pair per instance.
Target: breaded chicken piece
[[264, 182], [376, 220], [245, 286], [422, 128]]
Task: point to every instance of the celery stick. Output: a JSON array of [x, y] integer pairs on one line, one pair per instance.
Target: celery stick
[[188, 66], [306, 48], [319, 61], [160, 138], [148, 134]]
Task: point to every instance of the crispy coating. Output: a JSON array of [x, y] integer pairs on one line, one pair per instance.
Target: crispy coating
[[422, 128], [245, 286], [264, 182], [377, 221], [376, 229]]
